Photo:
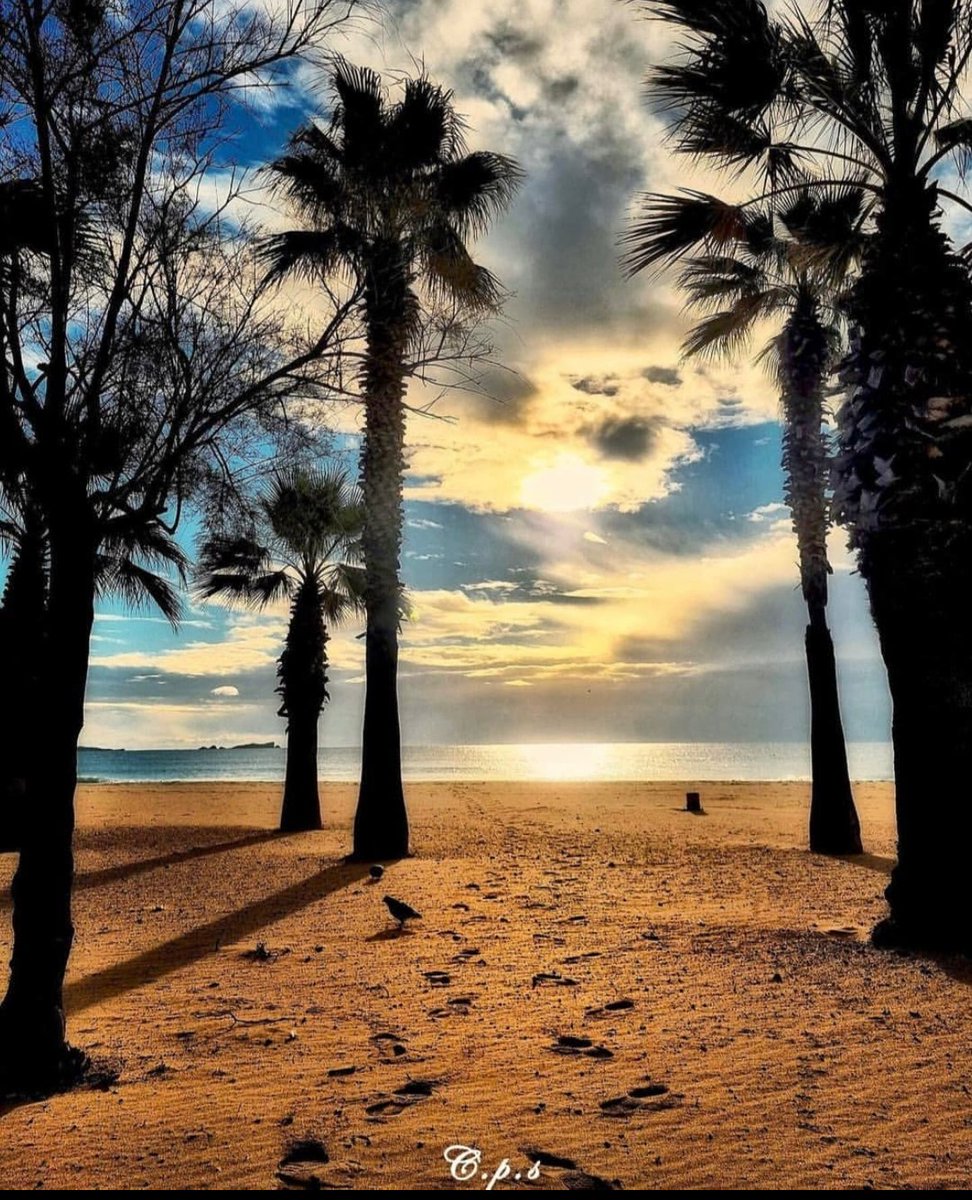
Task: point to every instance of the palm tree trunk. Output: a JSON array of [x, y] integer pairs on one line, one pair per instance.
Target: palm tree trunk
[[303, 685], [918, 595], [33, 1051], [805, 359], [22, 630], [301, 808], [834, 824], [906, 492], [381, 820]]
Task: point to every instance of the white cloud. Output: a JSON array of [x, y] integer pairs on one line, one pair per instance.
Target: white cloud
[[225, 690]]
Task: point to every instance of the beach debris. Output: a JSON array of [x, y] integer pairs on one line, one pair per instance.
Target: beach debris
[[376, 871], [260, 953], [401, 911], [693, 802]]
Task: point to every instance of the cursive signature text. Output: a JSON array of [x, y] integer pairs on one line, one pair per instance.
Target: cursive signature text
[[465, 1165]]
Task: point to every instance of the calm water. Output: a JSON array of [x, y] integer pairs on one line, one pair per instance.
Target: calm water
[[593, 761]]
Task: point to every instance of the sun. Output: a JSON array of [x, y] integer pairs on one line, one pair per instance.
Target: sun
[[569, 485]]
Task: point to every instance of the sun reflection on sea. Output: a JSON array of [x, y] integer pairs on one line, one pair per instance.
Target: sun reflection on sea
[[558, 761]]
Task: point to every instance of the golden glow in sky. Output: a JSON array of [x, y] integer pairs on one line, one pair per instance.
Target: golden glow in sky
[[569, 485]]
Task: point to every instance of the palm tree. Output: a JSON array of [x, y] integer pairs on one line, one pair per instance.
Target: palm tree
[[757, 277], [306, 551], [134, 564], [389, 196], [868, 95]]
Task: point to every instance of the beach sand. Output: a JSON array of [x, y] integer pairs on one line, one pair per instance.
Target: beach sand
[[761, 1042]]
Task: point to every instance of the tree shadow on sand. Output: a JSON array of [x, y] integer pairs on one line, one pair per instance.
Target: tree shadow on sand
[[87, 880], [870, 862], [203, 941]]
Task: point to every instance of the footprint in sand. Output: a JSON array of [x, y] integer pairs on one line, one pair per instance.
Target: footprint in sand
[[580, 1181], [611, 1009], [554, 979], [298, 1169], [390, 1045], [438, 978], [412, 1092], [650, 1096], [576, 1180], [569, 1045], [459, 1005]]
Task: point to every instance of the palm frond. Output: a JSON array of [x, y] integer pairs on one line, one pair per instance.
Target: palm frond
[[344, 596], [138, 586], [311, 181], [474, 189], [731, 59], [724, 334], [957, 137], [314, 254], [360, 113], [450, 271], [423, 128], [717, 279], [676, 224]]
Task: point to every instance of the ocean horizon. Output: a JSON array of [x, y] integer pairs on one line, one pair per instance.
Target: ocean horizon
[[588, 762]]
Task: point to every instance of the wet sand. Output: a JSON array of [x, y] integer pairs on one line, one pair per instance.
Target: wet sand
[[599, 980]]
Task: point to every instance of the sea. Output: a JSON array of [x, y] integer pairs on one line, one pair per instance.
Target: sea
[[587, 761]]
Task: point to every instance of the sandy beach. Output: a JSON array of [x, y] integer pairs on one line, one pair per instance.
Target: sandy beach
[[600, 979]]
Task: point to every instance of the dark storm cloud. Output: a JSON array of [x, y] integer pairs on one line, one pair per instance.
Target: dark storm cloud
[[514, 43], [560, 89], [669, 376], [608, 386], [627, 439], [504, 396], [567, 221]]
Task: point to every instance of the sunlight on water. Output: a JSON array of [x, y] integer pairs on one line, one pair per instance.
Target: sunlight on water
[[561, 762], [604, 761]]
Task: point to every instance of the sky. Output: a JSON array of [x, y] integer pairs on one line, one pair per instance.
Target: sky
[[596, 550]]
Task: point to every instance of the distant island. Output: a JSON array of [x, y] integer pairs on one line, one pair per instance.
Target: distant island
[[241, 746], [246, 746]]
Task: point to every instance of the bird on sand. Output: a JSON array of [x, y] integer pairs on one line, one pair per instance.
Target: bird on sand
[[376, 871], [401, 911]]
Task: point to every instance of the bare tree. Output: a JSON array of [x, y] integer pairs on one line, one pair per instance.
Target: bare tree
[[139, 363]]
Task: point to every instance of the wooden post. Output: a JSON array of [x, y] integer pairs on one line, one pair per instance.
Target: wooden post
[[693, 802]]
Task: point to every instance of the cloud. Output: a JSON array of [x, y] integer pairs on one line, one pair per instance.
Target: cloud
[[625, 438], [666, 375], [225, 690], [251, 642]]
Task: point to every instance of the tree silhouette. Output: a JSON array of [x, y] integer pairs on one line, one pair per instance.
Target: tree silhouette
[[389, 195], [305, 550]]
